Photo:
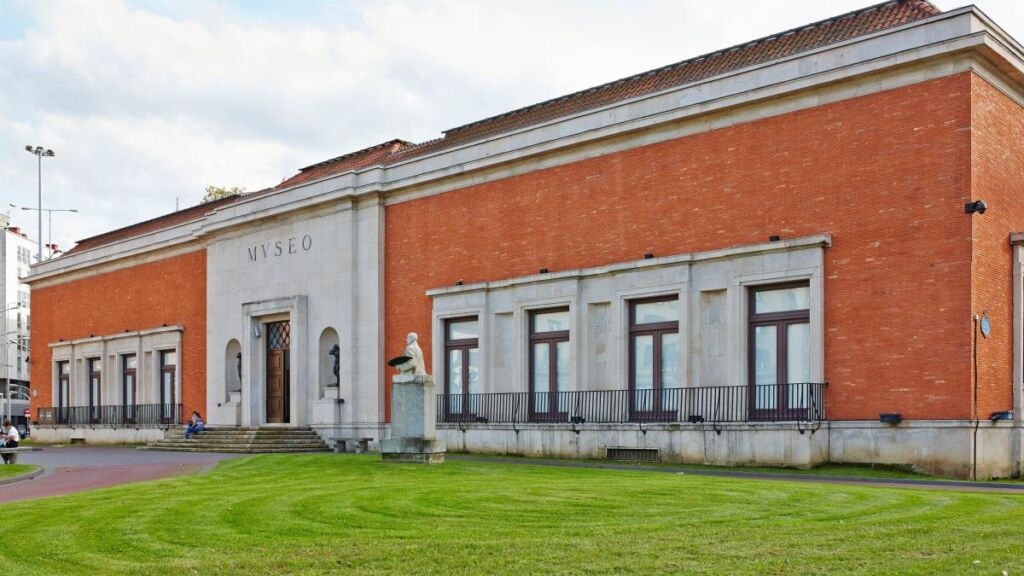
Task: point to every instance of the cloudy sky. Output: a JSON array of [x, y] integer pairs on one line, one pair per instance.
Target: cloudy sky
[[147, 102]]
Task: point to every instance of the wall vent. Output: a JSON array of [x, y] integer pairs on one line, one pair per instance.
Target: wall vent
[[633, 454]]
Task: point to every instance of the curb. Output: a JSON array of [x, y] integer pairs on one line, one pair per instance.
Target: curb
[[982, 486], [39, 472]]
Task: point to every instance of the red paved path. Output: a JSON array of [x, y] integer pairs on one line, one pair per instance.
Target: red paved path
[[70, 479], [68, 469]]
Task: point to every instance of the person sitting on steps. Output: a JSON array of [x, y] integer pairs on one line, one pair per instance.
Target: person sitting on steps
[[9, 439], [195, 425]]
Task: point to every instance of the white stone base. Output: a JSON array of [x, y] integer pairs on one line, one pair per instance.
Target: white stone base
[[228, 413], [416, 450], [100, 436], [942, 448], [731, 445], [939, 447]]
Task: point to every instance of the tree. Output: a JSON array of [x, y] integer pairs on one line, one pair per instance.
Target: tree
[[218, 192]]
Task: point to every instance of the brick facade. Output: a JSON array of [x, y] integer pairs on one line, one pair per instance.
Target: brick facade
[[997, 163], [171, 291], [885, 174]]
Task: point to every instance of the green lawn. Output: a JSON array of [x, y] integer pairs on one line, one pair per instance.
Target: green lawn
[[327, 514], [8, 470]]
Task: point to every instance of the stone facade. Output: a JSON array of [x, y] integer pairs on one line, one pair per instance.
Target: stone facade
[[319, 269]]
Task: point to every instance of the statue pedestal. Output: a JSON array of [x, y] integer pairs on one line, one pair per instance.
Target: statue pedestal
[[412, 422]]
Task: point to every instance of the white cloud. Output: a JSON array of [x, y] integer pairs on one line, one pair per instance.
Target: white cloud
[[146, 105]]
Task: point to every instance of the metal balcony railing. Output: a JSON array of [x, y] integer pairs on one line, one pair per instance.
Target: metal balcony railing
[[118, 415], [764, 403]]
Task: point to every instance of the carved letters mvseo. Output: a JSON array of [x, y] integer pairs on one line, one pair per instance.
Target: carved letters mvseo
[[275, 248]]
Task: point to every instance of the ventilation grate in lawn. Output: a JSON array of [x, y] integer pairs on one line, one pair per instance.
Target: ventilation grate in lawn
[[634, 454]]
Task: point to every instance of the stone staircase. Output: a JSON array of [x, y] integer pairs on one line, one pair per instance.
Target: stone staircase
[[241, 440]]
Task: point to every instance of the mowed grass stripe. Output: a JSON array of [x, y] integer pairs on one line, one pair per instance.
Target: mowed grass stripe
[[11, 470], [319, 514]]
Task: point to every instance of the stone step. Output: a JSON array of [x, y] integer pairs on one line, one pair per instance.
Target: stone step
[[258, 433], [234, 450], [241, 445], [245, 432], [244, 440], [260, 428], [254, 437], [235, 445]]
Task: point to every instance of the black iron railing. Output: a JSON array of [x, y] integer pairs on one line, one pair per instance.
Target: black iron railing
[[768, 403], [114, 416]]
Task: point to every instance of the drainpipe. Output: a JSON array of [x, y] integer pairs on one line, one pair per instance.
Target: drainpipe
[[974, 441], [1017, 244]]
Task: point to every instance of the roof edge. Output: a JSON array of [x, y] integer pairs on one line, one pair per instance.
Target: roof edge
[[360, 152], [698, 58]]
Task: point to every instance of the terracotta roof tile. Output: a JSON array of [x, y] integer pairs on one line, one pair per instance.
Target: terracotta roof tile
[[351, 161], [807, 37], [155, 224], [801, 39]]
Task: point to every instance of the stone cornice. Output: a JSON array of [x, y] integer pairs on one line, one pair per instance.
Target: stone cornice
[[117, 336], [817, 241]]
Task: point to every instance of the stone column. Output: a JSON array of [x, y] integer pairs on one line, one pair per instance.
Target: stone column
[[412, 422]]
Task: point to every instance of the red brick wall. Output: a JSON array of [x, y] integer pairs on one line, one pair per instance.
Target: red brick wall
[[886, 174], [996, 177], [170, 291]]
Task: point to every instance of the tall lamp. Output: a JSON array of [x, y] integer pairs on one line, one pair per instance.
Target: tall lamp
[[40, 152]]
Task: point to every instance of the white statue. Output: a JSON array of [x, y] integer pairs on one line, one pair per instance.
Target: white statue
[[415, 354]]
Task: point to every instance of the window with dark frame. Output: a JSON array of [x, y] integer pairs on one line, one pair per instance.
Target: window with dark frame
[[549, 364], [95, 388], [779, 351], [168, 373], [129, 399], [461, 367], [63, 391], [654, 359]]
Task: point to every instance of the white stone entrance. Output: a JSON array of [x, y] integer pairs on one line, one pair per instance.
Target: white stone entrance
[[254, 359], [319, 268]]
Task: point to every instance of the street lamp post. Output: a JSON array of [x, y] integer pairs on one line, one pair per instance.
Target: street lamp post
[[40, 152], [49, 223]]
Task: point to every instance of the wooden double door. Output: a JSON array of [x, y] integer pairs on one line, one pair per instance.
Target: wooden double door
[[278, 372]]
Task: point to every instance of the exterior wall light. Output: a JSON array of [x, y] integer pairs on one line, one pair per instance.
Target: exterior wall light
[[890, 418], [1003, 415], [256, 330], [978, 206]]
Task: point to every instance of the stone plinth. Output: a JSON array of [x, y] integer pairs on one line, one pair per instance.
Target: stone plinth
[[412, 422]]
